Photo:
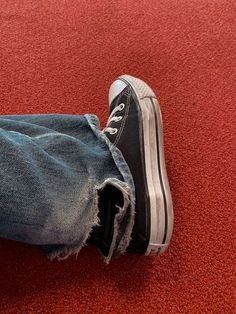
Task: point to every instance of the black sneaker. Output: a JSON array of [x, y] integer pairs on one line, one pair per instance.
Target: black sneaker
[[135, 127]]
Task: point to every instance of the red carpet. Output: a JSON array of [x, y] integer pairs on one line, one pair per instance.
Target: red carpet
[[61, 56]]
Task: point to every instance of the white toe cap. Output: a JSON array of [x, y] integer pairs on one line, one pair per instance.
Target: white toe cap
[[116, 88]]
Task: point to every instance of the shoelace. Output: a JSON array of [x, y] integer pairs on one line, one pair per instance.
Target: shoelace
[[114, 118]]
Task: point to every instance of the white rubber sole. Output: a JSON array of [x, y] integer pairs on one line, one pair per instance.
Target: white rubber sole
[[161, 208]]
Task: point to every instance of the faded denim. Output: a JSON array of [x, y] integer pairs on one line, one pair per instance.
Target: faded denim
[[52, 167]]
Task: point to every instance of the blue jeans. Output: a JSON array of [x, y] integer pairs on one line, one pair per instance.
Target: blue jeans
[[52, 168]]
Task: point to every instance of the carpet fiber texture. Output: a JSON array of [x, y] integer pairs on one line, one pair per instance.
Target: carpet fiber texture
[[61, 56]]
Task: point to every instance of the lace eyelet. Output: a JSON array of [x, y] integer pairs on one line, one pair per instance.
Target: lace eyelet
[[118, 118], [114, 131], [121, 106]]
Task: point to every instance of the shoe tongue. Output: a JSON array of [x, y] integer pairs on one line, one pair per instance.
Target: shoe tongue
[[118, 99], [116, 89]]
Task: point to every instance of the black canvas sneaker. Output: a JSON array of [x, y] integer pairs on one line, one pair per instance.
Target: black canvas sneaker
[[135, 127]]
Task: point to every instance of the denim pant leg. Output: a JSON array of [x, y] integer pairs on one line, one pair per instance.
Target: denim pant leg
[[52, 168]]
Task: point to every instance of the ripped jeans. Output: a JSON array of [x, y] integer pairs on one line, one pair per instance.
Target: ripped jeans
[[52, 168]]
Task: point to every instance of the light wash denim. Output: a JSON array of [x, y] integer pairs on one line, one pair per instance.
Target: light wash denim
[[52, 168]]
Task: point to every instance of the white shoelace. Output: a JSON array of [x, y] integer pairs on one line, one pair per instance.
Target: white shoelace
[[114, 118]]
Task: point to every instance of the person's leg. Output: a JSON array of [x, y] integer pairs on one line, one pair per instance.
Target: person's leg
[[56, 172]]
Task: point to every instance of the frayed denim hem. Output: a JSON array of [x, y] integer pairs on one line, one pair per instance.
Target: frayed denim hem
[[121, 236]]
